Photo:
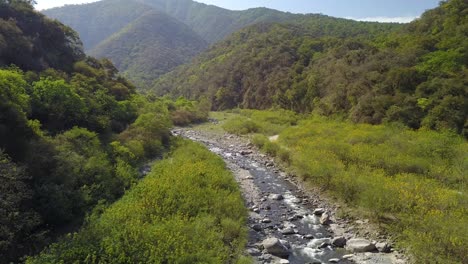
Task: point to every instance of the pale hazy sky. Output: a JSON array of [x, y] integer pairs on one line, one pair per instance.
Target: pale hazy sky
[[372, 10]]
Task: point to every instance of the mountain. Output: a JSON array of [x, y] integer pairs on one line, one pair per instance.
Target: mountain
[[150, 46], [415, 74], [214, 23], [147, 38], [97, 21]]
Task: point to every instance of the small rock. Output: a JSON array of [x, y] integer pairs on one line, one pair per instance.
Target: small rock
[[319, 211], [275, 247], [334, 260], [349, 256], [360, 245], [284, 261], [256, 210], [309, 236], [277, 197], [323, 245], [383, 247], [325, 219], [339, 242], [288, 231], [246, 152], [253, 252], [257, 227], [266, 220]]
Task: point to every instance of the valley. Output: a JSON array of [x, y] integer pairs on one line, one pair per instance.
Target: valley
[[176, 131], [282, 208]]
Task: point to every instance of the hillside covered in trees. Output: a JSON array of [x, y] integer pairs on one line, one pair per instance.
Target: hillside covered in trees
[[150, 46], [148, 38], [416, 74], [74, 134]]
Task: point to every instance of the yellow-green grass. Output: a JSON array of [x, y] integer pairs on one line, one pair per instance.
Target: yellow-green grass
[[187, 210]]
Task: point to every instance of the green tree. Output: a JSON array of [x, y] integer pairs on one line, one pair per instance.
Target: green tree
[[56, 104], [17, 219]]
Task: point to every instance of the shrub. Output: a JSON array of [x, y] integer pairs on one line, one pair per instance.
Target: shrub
[[241, 126]]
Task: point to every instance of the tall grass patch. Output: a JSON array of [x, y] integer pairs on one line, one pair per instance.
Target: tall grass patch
[[418, 178]]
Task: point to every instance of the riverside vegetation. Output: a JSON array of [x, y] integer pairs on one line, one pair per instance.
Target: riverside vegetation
[[187, 210], [73, 135], [413, 183]]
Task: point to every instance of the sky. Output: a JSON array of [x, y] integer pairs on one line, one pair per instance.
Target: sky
[[366, 10]]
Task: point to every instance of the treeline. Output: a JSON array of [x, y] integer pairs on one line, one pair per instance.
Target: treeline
[[415, 75], [72, 138], [187, 210]]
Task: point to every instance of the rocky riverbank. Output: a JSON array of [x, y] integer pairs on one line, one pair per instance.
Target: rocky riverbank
[[287, 223]]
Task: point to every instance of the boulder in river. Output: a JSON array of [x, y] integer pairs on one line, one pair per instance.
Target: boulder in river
[[325, 219], [360, 245], [319, 211], [339, 242], [275, 247]]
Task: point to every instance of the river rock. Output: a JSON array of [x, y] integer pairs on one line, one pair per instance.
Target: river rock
[[288, 231], [254, 252], [339, 242], [275, 247], [325, 219], [257, 227], [383, 247], [277, 197], [309, 236], [266, 221], [334, 260], [284, 261], [360, 245], [319, 211]]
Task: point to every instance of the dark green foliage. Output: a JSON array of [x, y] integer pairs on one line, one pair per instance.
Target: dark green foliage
[[26, 39], [150, 46], [369, 72], [17, 220], [188, 210]]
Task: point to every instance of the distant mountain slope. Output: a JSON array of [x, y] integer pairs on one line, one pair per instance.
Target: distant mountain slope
[[150, 46], [214, 23], [97, 21], [417, 75]]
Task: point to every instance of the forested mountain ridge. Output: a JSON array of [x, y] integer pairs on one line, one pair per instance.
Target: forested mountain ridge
[[97, 21], [150, 46], [416, 75], [214, 23]]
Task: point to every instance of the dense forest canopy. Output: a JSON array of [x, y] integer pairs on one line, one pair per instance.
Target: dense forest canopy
[[416, 75]]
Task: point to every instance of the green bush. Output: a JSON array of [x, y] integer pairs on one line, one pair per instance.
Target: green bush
[[241, 126], [259, 140]]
